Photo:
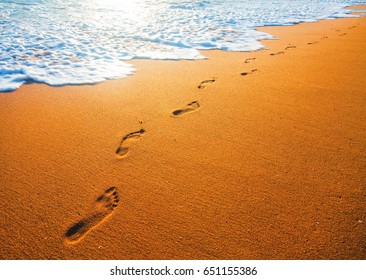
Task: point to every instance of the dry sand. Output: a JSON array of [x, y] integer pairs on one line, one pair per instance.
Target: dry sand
[[241, 156]]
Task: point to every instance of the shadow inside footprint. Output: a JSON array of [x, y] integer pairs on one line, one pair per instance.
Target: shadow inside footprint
[[290, 47], [277, 53], [104, 206], [248, 60], [75, 229], [202, 84], [247, 73], [194, 105], [123, 150]]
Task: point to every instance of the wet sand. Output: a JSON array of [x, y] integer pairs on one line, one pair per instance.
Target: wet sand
[[241, 156]]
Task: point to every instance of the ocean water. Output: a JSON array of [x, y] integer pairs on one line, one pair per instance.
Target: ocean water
[[64, 42]]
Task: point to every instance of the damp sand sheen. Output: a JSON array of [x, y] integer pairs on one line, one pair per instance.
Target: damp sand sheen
[[243, 155]]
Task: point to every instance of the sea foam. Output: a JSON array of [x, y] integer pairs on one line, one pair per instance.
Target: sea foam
[[70, 42]]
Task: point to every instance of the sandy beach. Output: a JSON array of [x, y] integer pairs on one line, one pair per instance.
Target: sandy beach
[[252, 155]]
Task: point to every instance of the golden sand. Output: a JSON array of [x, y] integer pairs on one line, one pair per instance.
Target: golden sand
[[241, 156]]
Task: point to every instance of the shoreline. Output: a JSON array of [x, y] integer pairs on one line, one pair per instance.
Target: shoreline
[[257, 155], [131, 61]]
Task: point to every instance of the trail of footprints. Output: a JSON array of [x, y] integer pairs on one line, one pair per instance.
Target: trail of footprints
[[109, 200], [194, 105], [123, 148]]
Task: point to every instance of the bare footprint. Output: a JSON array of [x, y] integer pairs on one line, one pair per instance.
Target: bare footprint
[[123, 149], [343, 34], [104, 206], [324, 37], [277, 53], [290, 47], [312, 43], [247, 73], [202, 84], [248, 60], [194, 105]]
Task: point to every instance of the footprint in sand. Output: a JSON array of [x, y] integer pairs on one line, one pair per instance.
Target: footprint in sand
[[343, 34], [104, 206], [277, 53], [247, 73], [324, 37], [312, 43], [194, 105], [290, 47], [123, 149], [203, 83], [248, 60]]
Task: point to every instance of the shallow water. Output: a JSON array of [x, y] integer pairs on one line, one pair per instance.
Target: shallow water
[[60, 42]]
